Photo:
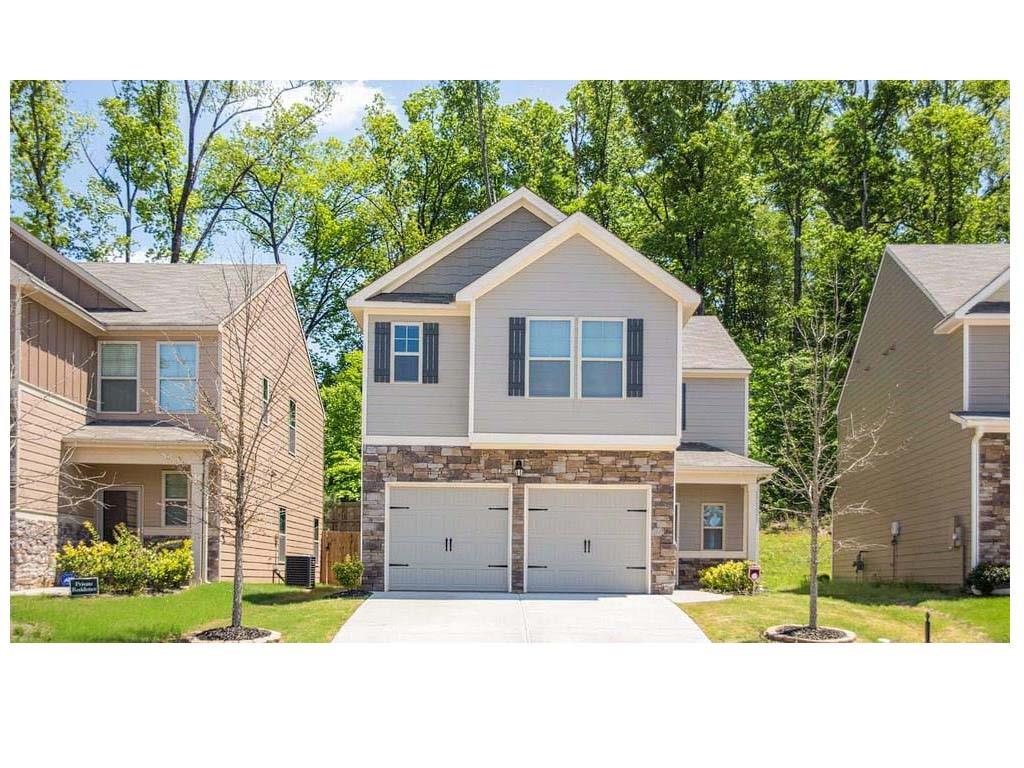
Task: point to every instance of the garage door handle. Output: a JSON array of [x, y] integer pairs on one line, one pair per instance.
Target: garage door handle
[[536, 566], [399, 565], [636, 567], [497, 566]]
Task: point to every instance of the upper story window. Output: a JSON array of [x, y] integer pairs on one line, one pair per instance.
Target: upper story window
[[407, 352], [292, 425], [175, 499], [549, 357], [602, 368], [177, 382], [266, 401], [119, 376], [713, 521]]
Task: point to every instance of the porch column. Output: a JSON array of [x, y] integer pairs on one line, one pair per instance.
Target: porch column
[[197, 517], [753, 519]]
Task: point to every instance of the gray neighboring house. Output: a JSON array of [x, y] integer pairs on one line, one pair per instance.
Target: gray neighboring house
[[543, 412], [933, 354]]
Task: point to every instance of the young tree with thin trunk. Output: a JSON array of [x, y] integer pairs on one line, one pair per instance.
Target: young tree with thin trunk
[[812, 461]]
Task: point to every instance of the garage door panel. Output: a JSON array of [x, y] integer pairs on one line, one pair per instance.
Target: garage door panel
[[473, 522], [612, 522]]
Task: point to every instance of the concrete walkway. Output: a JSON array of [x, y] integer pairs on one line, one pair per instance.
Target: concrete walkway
[[516, 618]]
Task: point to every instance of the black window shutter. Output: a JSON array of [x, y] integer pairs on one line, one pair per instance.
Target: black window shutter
[[683, 409], [430, 338], [517, 356], [634, 357], [382, 352]]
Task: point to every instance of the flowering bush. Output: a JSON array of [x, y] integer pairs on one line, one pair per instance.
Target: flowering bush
[[126, 566], [726, 577], [348, 572]]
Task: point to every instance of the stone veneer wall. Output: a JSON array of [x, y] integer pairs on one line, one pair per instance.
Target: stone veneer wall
[[34, 545], [689, 568], [994, 499], [383, 463]]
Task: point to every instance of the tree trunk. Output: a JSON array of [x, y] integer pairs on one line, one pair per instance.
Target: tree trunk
[[482, 133], [812, 620], [236, 597]]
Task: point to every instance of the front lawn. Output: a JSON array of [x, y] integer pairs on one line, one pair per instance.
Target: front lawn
[[301, 616], [894, 612]]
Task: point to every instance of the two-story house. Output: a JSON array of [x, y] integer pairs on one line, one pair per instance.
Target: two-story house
[[930, 378], [120, 376], [544, 413]]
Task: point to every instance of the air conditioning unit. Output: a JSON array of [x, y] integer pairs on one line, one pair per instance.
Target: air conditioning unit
[[300, 571]]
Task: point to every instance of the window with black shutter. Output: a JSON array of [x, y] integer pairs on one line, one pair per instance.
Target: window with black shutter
[[382, 352], [635, 357], [517, 356]]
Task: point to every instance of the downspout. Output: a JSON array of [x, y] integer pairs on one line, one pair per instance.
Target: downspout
[[204, 575], [975, 468]]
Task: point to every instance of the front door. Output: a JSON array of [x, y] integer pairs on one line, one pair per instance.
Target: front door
[[115, 511]]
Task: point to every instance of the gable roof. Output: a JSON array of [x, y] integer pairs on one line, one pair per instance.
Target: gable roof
[[178, 294], [581, 224], [708, 346], [951, 274], [407, 270]]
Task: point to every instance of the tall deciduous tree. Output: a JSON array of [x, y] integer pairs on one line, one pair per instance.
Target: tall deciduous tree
[[44, 140]]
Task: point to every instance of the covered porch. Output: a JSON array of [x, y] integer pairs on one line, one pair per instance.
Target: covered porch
[[151, 478], [717, 507]]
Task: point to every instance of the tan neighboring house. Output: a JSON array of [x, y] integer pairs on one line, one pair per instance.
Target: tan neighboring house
[[544, 412], [118, 373], [932, 365]]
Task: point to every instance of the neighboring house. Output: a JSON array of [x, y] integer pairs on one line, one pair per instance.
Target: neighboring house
[[932, 367], [543, 412], [117, 377]]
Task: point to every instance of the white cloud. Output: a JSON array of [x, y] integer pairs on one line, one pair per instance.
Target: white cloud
[[351, 98]]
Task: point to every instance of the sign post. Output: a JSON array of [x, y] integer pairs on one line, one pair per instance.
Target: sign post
[[754, 574], [81, 587]]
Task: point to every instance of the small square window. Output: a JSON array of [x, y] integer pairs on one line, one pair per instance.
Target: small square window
[[407, 353]]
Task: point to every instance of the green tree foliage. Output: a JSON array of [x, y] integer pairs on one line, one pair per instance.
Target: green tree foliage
[[44, 141], [343, 399]]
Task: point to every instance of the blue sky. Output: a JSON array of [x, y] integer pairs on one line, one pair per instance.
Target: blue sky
[[342, 121]]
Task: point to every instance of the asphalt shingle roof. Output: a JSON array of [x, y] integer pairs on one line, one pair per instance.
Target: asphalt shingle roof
[[707, 345], [177, 294], [704, 456], [951, 274]]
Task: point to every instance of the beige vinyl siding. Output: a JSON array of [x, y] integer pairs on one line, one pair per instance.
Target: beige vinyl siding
[[576, 279], [1001, 294], [690, 497], [42, 421], [278, 353], [59, 277], [414, 408], [988, 353], [715, 413], [208, 391], [56, 355], [903, 367]]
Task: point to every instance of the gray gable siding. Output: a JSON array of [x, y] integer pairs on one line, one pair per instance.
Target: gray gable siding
[[714, 413], [479, 256], [576, 279], [417, 409], [988, 353]]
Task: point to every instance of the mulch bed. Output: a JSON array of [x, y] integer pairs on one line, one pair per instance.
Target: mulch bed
[[819, 634], [349, 593], [232, 634]]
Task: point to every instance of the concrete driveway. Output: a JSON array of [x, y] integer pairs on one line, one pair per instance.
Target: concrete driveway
[[514, 618]]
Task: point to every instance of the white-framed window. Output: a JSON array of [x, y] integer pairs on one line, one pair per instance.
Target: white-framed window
[[712, 526], [177, 380], [175, 502], [119, 376], [602, 355], [282, 534], [549, 356], [293, 420], [406, 358], [266, 401]]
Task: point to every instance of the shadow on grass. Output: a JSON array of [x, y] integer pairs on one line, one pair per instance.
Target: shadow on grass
[[879, 593], [288, 597]]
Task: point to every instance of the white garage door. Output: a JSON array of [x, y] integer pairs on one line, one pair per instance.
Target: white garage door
[[448, 538], [591, 539]]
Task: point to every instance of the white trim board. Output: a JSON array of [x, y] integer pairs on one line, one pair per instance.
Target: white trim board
[[554, 441]]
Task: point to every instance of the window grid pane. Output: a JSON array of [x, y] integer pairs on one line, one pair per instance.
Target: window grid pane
[[177, 361], [176, 486], [175, 514], [601, 379], [118, 395], [602, 339], [118, 360], [550, 338], [549, 378]]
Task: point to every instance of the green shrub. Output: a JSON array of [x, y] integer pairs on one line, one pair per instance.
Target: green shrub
[[730, 576], [126, 566], [348, 572], [986, 577]]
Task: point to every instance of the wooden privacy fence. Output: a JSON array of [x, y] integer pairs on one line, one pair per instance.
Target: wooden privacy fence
[[334, 545]]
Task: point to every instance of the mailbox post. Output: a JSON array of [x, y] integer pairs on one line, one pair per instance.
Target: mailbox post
[[754, 574]]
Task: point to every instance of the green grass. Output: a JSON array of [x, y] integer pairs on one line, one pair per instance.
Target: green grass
[[894, 612], [300, 616]]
